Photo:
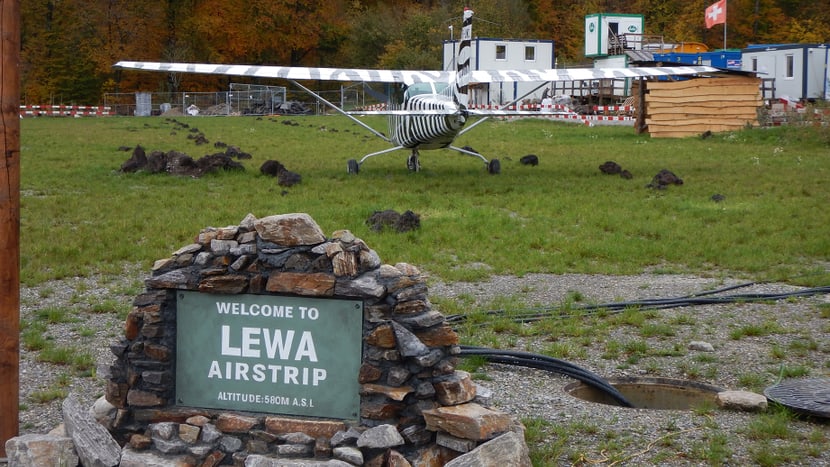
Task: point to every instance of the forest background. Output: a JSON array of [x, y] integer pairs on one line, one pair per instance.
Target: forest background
[[69, 46]]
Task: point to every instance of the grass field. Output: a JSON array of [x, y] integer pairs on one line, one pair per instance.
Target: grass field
[[80, 215]]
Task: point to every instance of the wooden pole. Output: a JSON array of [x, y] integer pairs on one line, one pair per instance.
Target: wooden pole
[[640, 123], [9, 221]]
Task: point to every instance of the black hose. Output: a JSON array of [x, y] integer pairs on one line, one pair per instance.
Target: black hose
[[550, 364], [554, 365], [537, 314]]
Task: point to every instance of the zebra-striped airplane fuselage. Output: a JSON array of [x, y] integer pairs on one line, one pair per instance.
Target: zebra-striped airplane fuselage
[[427, 131]]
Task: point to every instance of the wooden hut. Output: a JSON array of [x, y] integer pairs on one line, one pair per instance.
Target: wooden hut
[[691, 107]]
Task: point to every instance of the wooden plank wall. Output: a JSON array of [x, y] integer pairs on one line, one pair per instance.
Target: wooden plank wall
[[677, 109]]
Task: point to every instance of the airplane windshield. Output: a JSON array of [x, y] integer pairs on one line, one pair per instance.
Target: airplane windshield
[[424, 88]]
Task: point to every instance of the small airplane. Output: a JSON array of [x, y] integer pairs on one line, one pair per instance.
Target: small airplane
[[429, 111]]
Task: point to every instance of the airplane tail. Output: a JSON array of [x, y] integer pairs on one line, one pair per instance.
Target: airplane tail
[[462, 60]]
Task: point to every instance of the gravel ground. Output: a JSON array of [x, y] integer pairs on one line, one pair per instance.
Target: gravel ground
[[562, 429]]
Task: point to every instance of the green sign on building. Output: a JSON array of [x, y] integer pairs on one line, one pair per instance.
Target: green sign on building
[[269, 353]]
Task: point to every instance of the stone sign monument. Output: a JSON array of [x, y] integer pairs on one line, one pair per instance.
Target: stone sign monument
[[269, 343]]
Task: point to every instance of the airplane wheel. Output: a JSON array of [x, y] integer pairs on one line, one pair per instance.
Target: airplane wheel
[[494, 167], [354, 168], [413, 164]]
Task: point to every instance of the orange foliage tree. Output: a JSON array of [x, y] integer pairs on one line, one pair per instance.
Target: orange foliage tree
[[69, 46]]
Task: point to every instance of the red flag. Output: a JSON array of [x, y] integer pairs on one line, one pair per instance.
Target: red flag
[[716, 14]]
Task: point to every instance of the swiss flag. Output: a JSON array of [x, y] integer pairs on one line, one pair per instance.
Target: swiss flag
[[716, 14]]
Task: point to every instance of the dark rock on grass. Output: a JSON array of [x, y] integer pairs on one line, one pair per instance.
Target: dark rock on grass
[[271, 167], [663, 179], [233, 151], [136, 162], [288, 178], [610, 168], [216, 162], [156, 162], [284, 176], [391, 219], [178, 163], [530, 159]]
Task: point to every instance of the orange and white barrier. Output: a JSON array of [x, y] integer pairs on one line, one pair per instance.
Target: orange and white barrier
[[564, 112], [64, 111], [614, 108]]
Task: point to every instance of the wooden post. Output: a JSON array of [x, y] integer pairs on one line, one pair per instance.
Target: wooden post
[[640, 124], [9, 221]]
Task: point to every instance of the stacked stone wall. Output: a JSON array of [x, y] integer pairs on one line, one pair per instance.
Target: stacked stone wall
[[415, 407]]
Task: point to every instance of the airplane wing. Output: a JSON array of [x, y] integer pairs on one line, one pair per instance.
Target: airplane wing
[[409, 77], [585, 74]]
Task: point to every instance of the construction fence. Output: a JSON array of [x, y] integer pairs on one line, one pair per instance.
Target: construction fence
[[240, 99]]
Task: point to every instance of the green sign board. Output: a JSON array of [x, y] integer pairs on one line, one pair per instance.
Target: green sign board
[[269, 353]]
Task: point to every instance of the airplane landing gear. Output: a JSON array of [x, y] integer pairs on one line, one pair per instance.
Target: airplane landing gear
[[353, 166], [494, 167], [412, 163]]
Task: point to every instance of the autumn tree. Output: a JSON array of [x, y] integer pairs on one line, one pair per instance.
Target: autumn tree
[[69, 46], [283, 32]]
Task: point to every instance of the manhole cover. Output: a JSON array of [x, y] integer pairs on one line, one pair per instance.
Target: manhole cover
[[809, 396], [650, 393]]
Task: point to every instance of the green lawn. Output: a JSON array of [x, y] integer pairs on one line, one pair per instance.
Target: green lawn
[[81, 215]]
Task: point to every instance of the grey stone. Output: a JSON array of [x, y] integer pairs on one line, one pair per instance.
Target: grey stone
[[203, 258], [321, 248], [508, 449], [422, 320], [221, 247], [230, 443], [454, 443], [241, 263], [416, 292], [248, 222], [345, 438], [380, 437], [244, 249], [362, 286], [258, 460], [164, 430], [296, 438], [210, 433], [93, 443], [200, 450], [187, 249], [132, 458], [425, 390], [408, 344], [430, 359], [176, 279], [247, 237], [397, 376], [175, 446], [484, 395], [417, 435], [103, 412], [289, 450], [34, 450], [369, 259], [701, 346], [348, 454], [742, 400], [290, 229]]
